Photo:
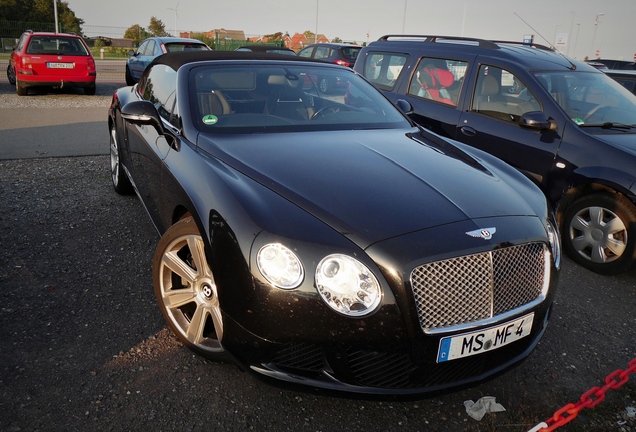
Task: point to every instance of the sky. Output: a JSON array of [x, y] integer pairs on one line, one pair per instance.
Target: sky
[[578, 28]]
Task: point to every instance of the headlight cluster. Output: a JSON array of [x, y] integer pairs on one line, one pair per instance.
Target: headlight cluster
[[555, 243], [344, 283]]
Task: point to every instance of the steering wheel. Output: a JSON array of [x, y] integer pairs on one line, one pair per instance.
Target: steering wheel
[[594, 110], [330, 109]]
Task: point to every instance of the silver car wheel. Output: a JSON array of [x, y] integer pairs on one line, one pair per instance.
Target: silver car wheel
[[598, 234], [186, 289]]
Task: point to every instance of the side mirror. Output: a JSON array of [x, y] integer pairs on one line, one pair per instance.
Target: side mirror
[[142, 113], [537, 120], [9, 48], [404, 106], [131, 53]]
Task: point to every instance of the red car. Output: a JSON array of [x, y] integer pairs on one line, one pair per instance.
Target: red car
[[51, 60]]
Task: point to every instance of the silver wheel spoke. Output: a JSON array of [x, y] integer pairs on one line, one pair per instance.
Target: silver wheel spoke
[[178, 266], [197, 324], [580, 224], [197, 250], [176, 298]]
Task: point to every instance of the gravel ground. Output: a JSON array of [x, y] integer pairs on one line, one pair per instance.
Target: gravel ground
[[83, 345]]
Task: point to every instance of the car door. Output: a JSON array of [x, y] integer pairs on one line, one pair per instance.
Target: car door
[[436, 90], [490, 121], [142, 59], [147, 147]]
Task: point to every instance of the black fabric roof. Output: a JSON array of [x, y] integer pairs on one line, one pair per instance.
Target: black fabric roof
[[177, 59]]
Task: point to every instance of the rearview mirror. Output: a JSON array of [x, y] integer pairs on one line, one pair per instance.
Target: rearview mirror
[[142, 113], [404, 106], [537, 120]]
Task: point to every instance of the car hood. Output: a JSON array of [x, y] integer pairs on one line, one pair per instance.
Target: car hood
[[373, 185]]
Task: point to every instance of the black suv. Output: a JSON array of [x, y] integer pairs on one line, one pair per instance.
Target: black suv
[[565, 124]]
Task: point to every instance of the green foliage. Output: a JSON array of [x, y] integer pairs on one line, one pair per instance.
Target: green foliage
[[203, 38], [41, 11], [157, 28], [137, 33]]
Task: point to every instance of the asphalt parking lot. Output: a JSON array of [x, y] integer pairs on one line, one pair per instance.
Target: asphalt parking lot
[[83, 345]]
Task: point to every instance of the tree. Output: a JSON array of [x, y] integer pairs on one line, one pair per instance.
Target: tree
[[157, 28], [336, 40], [137, 33], [41, 11]]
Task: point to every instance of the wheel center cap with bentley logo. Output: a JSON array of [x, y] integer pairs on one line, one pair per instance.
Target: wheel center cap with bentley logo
[[485, 233]]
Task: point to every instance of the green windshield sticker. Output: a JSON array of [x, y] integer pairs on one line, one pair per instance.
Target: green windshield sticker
[[578, 121], [210, 119]]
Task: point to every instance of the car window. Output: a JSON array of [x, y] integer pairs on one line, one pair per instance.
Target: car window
[[383, 69], [439, 80], [56, 45], [160, 89], [305, 52], [322, 52], [350, 53], [142, 48], [590, 97], [501, 94], [239, 99], [182, 46]]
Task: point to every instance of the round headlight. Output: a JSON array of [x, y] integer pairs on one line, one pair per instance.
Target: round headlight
[[555, 243], [280, 266], [347, 285]]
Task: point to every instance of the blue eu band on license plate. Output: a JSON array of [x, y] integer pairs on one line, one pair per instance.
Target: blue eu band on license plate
[[478, 342]]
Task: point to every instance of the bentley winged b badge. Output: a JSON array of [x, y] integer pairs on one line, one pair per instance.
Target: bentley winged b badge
[[485, 233]]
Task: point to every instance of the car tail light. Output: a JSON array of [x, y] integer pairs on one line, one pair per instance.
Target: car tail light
[[343, 63], [90, 64], [26, 64]]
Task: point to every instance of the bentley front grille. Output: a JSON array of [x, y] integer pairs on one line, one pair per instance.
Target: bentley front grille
[[478, 287]]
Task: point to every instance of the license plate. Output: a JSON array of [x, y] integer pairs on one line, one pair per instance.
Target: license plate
[[60, 65], [468, 344]]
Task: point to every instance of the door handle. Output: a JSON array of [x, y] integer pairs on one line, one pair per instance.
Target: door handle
[[468, 131]]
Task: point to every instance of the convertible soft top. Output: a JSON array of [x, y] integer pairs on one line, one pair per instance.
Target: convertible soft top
[[177, 59]]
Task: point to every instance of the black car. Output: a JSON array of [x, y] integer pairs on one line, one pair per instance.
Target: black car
[[626, 77], [339, 53], [617, 64], [329, 241], [273, 49], [565, 124]]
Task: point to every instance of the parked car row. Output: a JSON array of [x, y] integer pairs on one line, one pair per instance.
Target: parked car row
[[566, 125]]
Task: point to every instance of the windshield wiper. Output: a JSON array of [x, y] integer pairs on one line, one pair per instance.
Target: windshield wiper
[[608, 125]]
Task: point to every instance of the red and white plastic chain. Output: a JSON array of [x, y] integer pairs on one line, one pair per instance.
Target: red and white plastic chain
[[589, 399]]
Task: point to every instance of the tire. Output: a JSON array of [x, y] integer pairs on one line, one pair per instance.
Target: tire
[[599, 232], [11, 75], [20, 89], [324, 86], [90, 91], [121, 182], [188, 298], [129, 79]]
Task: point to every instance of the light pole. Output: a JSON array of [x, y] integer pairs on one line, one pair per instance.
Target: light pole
[[596, 23], [578, 29], [570, 34], [316, 34], [404, 18]]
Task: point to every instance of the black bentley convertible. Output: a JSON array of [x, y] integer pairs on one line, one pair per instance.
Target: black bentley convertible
[[326, 240]]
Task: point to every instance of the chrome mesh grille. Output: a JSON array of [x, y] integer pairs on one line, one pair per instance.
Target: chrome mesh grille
[[476, 287]]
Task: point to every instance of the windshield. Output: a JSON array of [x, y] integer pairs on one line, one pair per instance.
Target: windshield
[[590, 98], [277, 98]]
